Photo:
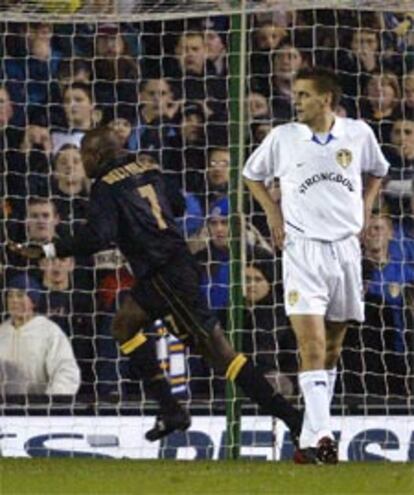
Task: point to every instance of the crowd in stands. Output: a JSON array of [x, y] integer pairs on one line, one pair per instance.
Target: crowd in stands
[[164, 88]]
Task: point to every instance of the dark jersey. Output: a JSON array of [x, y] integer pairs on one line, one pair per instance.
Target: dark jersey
[[129, 207]]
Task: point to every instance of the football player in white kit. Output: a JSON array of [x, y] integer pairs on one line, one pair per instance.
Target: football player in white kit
[[320, 162]]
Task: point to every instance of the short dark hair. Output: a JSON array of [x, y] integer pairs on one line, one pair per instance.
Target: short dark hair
[[86, 88], [42, 200], [325, 81]]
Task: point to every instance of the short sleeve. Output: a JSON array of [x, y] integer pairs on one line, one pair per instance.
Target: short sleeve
[[374, 161], [263, 163]]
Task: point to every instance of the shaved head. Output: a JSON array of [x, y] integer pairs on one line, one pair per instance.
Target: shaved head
[[99, 146]]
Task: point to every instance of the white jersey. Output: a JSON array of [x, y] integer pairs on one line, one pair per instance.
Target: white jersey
[[321, 184]]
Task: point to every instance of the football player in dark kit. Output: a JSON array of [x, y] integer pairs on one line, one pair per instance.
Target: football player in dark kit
[[129, 208]]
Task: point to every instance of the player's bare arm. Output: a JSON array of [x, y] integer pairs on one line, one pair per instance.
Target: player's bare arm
[[372, 188], [272, 210]]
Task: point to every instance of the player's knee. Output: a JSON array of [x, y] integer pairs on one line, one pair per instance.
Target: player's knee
[[218, 350], [313, 354]]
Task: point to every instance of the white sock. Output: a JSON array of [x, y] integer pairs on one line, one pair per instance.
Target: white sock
[[314, 386], [331, 382]]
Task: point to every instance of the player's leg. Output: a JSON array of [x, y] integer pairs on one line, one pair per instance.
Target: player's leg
[[236, 367], [335, 334], [179, 287], [127, 329], [313, 378]]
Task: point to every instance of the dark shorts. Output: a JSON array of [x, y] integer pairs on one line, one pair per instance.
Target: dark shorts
[[173, 294]]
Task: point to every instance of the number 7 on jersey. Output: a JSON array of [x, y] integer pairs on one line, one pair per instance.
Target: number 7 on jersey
[[148, 192]]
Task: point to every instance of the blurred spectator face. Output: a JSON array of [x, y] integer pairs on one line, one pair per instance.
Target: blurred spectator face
[[379, 234], [214, 45], [218, 229], [269, 36], [192, 128], [402, 136], [260, 132], [123, 128], [78, 108], [42, 221], [257, 287], [257, 105], [287, 61], [6, 107], [56, 272], [191, 52], [364, 42], [157, 96], [409, 90], [36, 137], [69, 172], [382, 92], [39, 37], [341, 111], [19, 305], [218, 172], [110, 45]]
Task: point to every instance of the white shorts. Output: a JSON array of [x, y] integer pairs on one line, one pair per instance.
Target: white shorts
[[323, 278]]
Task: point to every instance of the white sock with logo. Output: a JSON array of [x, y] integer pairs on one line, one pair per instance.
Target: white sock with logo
[[314, 386], [332, 374]]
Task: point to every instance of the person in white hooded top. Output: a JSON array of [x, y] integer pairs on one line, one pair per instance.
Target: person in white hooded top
[[36, 357]]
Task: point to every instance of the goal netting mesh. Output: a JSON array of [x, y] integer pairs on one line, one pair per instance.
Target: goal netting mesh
[[159, 73]]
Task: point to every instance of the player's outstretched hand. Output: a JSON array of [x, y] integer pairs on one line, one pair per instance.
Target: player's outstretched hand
[[30, 251]]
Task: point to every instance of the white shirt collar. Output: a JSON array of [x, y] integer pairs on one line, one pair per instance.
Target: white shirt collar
[[336, 132]]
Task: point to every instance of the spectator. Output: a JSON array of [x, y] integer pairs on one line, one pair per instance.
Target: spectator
[[397, 188], [218, 174], [31, 72], [73, 70], [194, 77], [158, 115], [71, 308], [215, 259], [10, 122], [257, 106], [70, 187], [198, 204], [408, 94], [286, 62], [12, 167], [259, 129], [126, 130], [267, 37], [80, 116], [115, 70], [44, 362], [381, 105], [42, 220], [360, 58], [187, 156], [39, 227], [381, 362], [216, 32], [70, 71], [267, 336]]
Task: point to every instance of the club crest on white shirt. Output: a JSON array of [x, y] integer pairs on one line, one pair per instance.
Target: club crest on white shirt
[[293, 297], [344, 157]]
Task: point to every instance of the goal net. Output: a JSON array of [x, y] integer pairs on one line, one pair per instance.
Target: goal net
[[166, 76]]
